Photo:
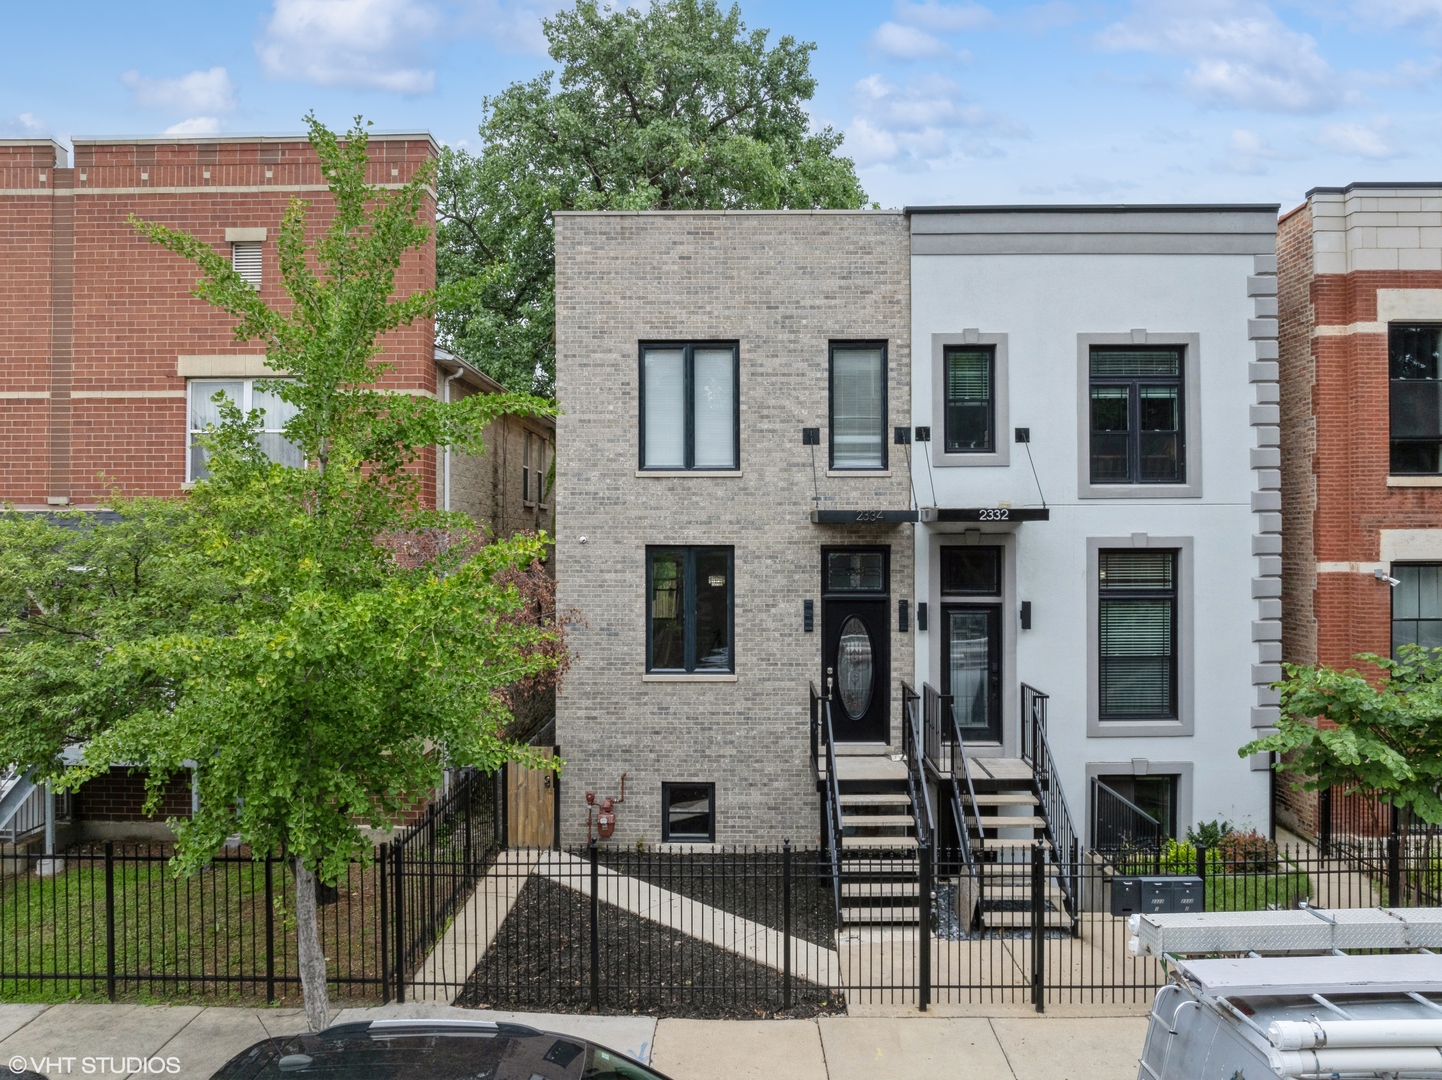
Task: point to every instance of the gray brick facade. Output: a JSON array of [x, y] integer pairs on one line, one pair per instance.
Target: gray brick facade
[[783, 284]]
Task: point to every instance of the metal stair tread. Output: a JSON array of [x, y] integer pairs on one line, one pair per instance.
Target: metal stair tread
[[996, 821], [865, 842], [880, 889], [898, 798], [899, 913], [991, 842], [1051, 919], [1006, 798], [876, 820]]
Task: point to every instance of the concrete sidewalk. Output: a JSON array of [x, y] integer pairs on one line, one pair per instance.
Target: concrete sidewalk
[[55, 1040]]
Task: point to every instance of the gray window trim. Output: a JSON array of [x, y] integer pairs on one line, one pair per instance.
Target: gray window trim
[[1191, 417], [1001, 406], [1118, 729], [1182, 770]]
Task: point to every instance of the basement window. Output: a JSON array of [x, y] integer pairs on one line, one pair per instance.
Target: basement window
[[245, 260], [688, 813]]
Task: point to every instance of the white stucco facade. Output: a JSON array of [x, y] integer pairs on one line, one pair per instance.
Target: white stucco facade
[[1039, 288]]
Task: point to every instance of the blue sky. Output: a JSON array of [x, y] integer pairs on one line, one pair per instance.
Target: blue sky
[[958, 102]]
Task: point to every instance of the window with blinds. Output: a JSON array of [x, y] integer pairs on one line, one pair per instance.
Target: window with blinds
[[858, 406], [1137, 435], [689, 417], [1417, 606], [245, 260], [1137, 634], [1416, 399], [970, 418]]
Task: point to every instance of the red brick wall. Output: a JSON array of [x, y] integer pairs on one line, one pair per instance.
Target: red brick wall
[[120, 796], [130, 312], [1297, 376]]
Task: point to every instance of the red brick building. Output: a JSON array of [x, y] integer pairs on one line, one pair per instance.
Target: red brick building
[[107, 363], [1360, 330]]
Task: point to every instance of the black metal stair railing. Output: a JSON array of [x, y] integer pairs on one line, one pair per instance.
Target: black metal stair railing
[[945, 757], [1060, 829], [823, 746], [1122, 830], [923, 821]]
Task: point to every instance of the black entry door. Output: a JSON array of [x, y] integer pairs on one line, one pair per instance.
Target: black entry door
[[971, 668], [856, 641]]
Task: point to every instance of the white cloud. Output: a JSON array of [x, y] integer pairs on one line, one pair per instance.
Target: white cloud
[[1399, 12], [1040, 18], [1240, 53], [944, 18], [200, 91], [926, 120], [907, 43], [368, 44], [25, 125], [513, 25], [1359, 140], [1247, 152], [196, 125]]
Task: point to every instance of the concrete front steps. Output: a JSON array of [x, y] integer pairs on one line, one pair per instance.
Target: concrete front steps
[[880, 874]]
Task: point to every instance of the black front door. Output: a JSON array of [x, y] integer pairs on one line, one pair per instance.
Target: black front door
[[856, 641], [971, 668]]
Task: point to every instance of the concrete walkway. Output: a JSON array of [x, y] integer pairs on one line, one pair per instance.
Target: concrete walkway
[[54, 1041]]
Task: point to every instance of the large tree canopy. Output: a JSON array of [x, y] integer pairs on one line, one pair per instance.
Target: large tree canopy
[[675, 107]]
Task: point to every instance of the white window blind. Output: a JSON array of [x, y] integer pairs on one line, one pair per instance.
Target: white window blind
[[245, 260], [715, 408], [665, 390], [858, 425]]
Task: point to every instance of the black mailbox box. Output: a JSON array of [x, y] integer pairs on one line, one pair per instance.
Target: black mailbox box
[[1156, 894]]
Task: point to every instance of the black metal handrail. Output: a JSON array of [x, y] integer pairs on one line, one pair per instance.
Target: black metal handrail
[[911, 746], [1120, 826], [1060, 828], [823, 741]]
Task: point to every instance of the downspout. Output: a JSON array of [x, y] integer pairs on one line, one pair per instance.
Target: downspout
[[446, 481]]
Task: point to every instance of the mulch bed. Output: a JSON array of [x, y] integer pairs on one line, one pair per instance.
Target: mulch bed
[[540, 961]]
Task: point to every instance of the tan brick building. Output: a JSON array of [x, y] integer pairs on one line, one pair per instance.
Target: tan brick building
[[1360, 294]]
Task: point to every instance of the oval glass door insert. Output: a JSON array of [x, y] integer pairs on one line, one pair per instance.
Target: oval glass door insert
[[855, 668]]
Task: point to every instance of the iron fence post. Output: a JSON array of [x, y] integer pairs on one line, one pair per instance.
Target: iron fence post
[[1038, 930], [110, 919], [269, 928], [400, 874], [786, 923], [1394, 859], [1202, 871], [384, 886], [1324, 822], [923, 901], [595, 929]]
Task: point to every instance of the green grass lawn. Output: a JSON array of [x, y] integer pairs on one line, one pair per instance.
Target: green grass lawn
[[175, 938], [1256, 892]]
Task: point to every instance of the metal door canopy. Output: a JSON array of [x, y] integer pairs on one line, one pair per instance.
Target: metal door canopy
[[1302, 930]]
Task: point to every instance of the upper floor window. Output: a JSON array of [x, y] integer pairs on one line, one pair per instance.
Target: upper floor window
[[246, 395], [689, 407], [970, 403], [1137, 635], [245, 260], [689, 610], [858, 406], [1137, 432], [1416, 399], [1417, 605]]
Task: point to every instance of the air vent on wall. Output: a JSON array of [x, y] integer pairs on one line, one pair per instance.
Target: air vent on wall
[[245, 260]]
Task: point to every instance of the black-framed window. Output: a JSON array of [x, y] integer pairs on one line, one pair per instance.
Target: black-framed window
[[970, 385], [690, 406], [688, 813], [1137, 634], [1137, 429], [855, 571], [858, 405], [1417, 605], [1154, 794], [690, 610], [1415, 392], [970, 571]]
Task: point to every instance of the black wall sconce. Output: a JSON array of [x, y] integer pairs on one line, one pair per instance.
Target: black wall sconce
[[808, 616], [920, 615], [901, 621], [1026, 614]]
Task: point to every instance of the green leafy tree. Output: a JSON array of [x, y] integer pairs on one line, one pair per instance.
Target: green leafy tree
[[336, 645], [674, 107], [1382, 735]]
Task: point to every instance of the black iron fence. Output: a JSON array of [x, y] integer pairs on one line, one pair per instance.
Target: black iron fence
[[445, 913]]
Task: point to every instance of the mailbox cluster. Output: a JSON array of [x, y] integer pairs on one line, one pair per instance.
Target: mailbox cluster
[[1157, 895]]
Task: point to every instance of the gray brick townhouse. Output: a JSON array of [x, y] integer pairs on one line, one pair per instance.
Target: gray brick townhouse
[[730, 381]]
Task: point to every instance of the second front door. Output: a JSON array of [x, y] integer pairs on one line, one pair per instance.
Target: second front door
[[856, 642], [971, 668]]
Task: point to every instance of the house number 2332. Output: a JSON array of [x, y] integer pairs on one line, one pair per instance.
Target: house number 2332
[[1001, 514]]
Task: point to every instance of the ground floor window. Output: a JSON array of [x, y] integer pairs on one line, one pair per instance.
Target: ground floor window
[[1417, 605], [689, 609], [688, 813], [1155, 796], [246, 395]]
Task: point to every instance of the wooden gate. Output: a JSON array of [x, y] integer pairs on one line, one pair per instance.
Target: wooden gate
[[531, 803]]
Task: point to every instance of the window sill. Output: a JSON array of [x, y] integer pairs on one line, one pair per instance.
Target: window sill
[[663, 473], [1414, 481], [1138, 729], [858, 474], [687, 677], [1139, 491]]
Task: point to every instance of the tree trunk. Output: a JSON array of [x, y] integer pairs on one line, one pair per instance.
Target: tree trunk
[[312, 957]]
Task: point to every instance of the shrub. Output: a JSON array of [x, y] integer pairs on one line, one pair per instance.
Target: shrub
[[1243, 852], [1209, 834]]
